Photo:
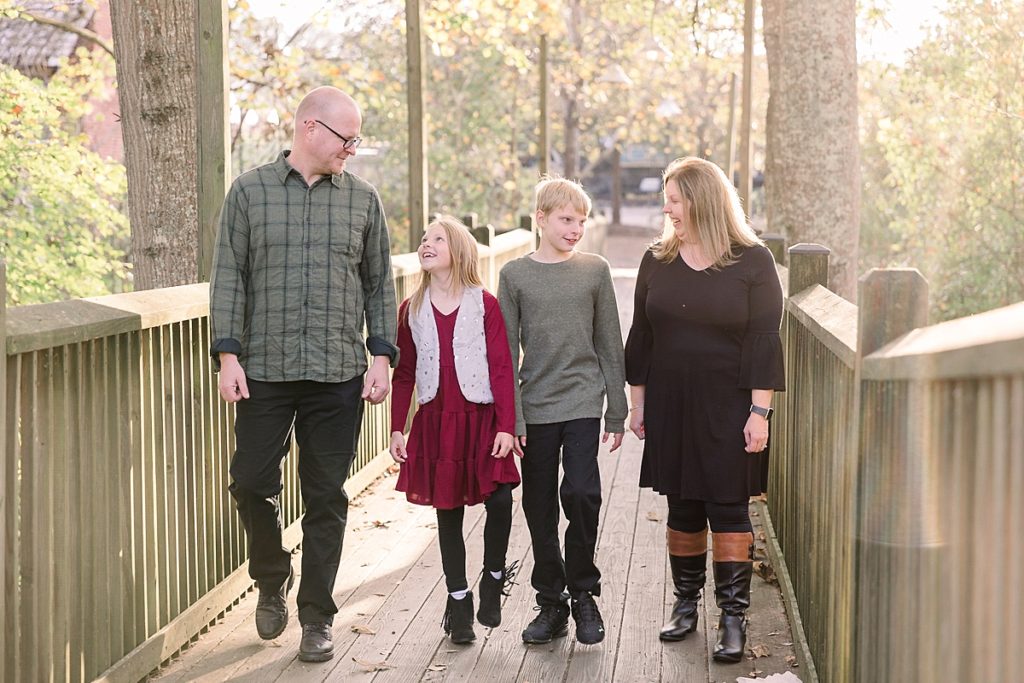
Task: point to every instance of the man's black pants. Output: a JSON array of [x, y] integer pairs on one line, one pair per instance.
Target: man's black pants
[[326, 418], [580, 493]]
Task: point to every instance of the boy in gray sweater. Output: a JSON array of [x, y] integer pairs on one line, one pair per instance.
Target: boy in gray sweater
[[559, 305]]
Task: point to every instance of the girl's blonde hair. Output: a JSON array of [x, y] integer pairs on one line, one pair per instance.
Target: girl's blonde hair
[[465, 261], [715, 213]]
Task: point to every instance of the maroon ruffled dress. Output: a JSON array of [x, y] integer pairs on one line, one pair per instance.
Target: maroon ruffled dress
[[449, 461]]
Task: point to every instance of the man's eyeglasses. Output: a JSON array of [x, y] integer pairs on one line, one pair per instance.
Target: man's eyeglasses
[[350, 143]]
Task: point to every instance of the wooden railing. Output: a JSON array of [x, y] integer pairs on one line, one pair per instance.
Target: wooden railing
[[897, 480], [120, 541]]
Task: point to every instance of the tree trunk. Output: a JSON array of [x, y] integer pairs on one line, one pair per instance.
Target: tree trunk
[[812, 169], [155, 50]]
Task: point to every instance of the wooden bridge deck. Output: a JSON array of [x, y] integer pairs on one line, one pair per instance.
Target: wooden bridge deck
[[391, 593]]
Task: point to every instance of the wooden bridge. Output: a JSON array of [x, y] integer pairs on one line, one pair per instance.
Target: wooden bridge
[[895, 516]]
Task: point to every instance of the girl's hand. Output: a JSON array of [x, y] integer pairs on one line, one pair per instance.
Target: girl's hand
[[636, 422], [397, 448], [616, 440], [503, 444], [519, 445], [756, 433]]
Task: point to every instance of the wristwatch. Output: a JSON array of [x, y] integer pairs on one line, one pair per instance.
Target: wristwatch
[[766, 413]]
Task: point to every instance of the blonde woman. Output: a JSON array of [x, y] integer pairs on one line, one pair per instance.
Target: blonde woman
[[454, 351], [703, 359]]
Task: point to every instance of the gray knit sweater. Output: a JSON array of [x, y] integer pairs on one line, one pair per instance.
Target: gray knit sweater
[[565, 317]]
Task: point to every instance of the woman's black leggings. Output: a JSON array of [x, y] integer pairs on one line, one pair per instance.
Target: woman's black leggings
[[691, 516], [496, 532]]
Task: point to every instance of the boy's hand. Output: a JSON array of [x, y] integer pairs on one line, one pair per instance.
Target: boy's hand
[[519, 445], [616, 440], [636, 422], [503, 444], [397, 448]]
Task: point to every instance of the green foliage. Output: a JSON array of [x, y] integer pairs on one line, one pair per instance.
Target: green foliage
[[63, 232], [482, 96], [943, 159]]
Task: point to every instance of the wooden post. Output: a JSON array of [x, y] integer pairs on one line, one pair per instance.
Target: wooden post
[[777, 244], [416, 67], [891, 302], [730, 159], [471, 221], [526, 222], [4, 501], [484, 234], [616, 186], [746, 182], [214, 147], [544, 150], [898, 530], [808, 265]]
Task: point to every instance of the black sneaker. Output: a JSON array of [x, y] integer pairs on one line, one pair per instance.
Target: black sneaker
[[272, 609], [551, 623], [589, 624], [316, 644], [491, 590]]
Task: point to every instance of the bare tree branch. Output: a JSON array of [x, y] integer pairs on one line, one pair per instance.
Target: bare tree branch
[[70, 28]]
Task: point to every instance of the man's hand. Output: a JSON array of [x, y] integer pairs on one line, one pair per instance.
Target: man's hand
[[616, 440], [377, 382], [232, 385], [503, 444], [397, 449]]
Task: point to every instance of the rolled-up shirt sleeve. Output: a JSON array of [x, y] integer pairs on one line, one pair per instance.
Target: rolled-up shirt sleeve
[[379, 285], [229, 277]]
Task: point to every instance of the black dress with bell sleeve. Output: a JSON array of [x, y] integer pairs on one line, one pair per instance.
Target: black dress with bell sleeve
[[701, 340]]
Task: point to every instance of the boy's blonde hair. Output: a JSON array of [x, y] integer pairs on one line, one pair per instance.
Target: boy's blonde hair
[[715, 213], [465, 260], [553, 192]]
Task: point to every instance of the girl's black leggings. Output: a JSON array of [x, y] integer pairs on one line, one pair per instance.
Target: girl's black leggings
[[691, 516], [496, 532]]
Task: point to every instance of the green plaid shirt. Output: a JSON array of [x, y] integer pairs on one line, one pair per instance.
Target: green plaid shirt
[[297, 271]]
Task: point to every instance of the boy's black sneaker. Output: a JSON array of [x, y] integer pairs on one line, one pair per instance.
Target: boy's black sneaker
[[551, 623], [589, 625]]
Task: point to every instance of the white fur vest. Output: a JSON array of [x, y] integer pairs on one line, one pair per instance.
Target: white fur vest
[[469, 344]]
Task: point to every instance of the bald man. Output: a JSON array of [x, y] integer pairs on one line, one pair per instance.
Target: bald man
[[302, 264]]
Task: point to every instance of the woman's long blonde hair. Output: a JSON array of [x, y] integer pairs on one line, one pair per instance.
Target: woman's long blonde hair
[[715, 213], [465, 260]]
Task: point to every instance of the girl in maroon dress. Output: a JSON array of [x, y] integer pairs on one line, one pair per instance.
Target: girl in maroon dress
[[455, 353]]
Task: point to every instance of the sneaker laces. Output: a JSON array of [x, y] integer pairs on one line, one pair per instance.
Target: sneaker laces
[[446, 619], [507, 576], [549, 615], [587, 608]]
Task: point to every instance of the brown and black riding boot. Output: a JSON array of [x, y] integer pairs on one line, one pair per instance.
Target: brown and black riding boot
[[687, 555], [733, 555]]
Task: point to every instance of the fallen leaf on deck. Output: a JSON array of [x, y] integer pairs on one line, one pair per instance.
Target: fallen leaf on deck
[[653, 516], [775, 633], [394, 469], [755, 673], [372, 666], [381, 595], [760, 651], [364, 629], [379, 524], [761, 536], [766, 572], [791, 660], [437, 667], [754, 514]]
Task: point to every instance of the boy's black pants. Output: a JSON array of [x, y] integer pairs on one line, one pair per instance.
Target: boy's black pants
[[577, 442], [327, 418]]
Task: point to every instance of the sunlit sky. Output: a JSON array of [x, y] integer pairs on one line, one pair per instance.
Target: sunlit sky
[[906, 21]]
